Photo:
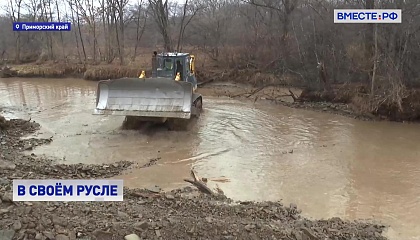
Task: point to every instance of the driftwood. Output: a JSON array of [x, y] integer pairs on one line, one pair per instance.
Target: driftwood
[[214, 78], [293, 96], [7, 72], [255, 91], [200, 84], [199, 184]]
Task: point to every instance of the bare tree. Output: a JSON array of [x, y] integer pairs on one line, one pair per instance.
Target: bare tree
[[75, 34], [369, 42], [279, 38], [15, 16], [75, 6], [61, 33], [212, 26], [120, 5], [190, 10], [105, 16], [375, 63], [160, 13], [141, 15]]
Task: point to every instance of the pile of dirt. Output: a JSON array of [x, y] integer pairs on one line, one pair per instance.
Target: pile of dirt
[[179, 214], [17, 128], [3, 123]]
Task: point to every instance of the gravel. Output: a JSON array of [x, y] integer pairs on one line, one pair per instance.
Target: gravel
[[179, 214]]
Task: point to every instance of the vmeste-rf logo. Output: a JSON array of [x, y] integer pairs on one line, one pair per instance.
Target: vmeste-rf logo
[[367, 16]]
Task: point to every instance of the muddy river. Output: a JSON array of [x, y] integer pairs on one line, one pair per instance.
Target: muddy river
[[328, 165]]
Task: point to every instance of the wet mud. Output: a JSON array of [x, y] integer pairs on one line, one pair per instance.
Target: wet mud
[[178, 214], [16, 165], [253, 149]]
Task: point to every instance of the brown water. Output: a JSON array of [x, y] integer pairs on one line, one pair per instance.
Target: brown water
[[339, 166]]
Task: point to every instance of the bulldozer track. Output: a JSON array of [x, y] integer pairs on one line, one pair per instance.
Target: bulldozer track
[[184, 124]]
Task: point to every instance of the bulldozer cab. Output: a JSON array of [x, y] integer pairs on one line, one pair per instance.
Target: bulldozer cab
[[167, 65]]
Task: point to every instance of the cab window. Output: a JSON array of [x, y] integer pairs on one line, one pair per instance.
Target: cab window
[[165, 67], [168, 64]]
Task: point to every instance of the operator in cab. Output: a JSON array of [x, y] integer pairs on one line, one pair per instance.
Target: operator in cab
[[179, 69]]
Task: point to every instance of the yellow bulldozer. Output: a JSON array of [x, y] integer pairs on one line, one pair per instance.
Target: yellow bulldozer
[[168, 96]]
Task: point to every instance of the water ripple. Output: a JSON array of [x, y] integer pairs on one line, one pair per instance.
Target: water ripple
[[328, 165]]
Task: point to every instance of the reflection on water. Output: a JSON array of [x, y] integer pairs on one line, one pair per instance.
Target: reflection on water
[[328, 165]]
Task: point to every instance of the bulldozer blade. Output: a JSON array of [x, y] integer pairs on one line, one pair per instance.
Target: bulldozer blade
[[147, 97]]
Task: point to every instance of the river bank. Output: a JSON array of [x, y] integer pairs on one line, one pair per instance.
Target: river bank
[[349, 100], [179, 214], [283, 96]]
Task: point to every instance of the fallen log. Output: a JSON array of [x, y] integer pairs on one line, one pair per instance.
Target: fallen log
[[199, 184], [257, 90], [293, 95]]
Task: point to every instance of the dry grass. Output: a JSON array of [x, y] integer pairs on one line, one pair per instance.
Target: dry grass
[[49, 70], [89, 72], [246, 76], [103, 72], [402, 105]]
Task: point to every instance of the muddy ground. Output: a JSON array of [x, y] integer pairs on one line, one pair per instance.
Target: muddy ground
[[179, 214], [281, 95]]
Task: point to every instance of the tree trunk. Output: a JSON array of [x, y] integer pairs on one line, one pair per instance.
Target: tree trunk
[[17, 53], [139, 34], [80, 34], [122, 32], [181, 27], [61, 33], [375, 63], [93, 27], [106, 37], [75, 34], [369, 42], [49, 36], [161, 15], [16, 19]]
